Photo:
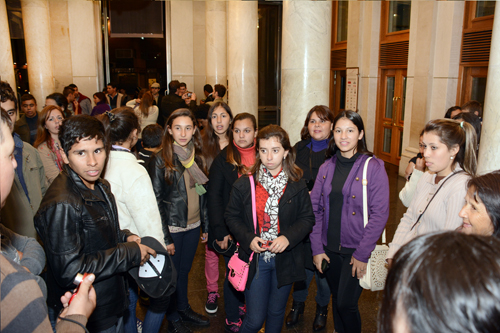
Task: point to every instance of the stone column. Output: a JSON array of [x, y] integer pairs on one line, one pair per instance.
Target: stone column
[[38, 50], [489, 150], [6, 62], [305, 64], [242, 59], [216, 39]]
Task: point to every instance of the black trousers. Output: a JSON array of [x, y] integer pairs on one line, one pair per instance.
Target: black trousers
[[345, 291]]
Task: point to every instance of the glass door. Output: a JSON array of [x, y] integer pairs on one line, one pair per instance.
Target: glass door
[[391, 115]]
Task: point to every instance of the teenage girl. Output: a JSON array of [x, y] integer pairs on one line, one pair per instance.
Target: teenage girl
[[216, 138], [311, 153], [449, 149], [234, 161], [135, 201], [178, 173], [339, 237], [285, 218]]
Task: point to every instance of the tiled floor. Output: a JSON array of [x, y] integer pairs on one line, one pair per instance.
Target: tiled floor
[[368, 304]]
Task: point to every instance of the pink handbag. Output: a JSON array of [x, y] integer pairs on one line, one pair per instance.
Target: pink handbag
[[238, 269]]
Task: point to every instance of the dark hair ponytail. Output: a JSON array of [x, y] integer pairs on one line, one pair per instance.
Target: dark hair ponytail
[[119, 124]]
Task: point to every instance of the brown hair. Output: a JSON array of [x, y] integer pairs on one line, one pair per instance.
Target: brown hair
[[42, 133], [451, 133], [323, 113], [211, 147], [274, 131], [233, 155], [146, 102], [473, 106], [168, 144], [119, 124]]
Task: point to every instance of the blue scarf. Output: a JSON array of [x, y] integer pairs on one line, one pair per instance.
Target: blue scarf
[[318, 145]]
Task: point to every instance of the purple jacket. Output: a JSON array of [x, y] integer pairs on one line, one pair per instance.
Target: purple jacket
[[352, 232]]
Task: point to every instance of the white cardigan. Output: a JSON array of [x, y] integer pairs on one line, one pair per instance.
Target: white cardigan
[[134, 195], [442, 213]]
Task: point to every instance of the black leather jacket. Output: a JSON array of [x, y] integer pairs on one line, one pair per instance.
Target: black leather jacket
[[81, 234], [172, 198]]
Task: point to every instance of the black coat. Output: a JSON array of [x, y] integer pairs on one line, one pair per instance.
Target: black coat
[[81, 233], [169, 104], [172, 198], [222, 177], [296, 220], [308, 161]]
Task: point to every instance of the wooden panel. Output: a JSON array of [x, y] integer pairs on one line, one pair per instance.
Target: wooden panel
[[476, 46], [339, 59], [394, 54]]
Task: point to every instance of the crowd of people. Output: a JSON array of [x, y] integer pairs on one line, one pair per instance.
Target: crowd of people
[[81, 186]]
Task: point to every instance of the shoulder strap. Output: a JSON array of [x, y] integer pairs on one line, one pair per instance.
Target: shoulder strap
[[254, 208], [453, 174], [365, 197]]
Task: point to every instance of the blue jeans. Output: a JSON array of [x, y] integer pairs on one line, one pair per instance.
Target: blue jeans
[[154, 315], [265, 301], [186, 244], [233, 299], [301, 288]]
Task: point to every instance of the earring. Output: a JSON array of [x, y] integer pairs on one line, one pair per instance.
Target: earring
[[452, 157], [284, 158]]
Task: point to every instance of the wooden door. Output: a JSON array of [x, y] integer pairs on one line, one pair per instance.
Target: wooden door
[[390, 115]]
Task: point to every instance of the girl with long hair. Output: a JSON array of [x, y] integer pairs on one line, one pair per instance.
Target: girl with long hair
[[178, 173], [144, 108], [234, 161], [47, 141], [284, 219], [135, 201], [215, 139], [311, 153], [450, 157], [339, 238]]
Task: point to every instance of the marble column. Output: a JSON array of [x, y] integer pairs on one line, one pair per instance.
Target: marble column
[[489, 150], [38, 49], [215, 42], [6, 62], [305, 64], [182, 42], [242, 59]]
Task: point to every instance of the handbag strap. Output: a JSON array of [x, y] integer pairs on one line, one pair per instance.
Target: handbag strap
[[254, 207], [453, 174], [365, 197]]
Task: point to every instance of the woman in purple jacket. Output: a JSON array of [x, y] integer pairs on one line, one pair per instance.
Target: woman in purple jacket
[[339, 236]]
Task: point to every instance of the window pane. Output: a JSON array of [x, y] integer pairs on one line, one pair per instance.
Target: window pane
[[389, 99], [485, 8], [478, 89], [399, 15], [342, 21], [387, 140]]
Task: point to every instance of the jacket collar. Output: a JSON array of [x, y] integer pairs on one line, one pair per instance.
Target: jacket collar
[[85, 192]]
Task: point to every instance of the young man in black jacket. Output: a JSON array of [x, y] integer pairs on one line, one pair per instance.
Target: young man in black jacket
[[78, 224]]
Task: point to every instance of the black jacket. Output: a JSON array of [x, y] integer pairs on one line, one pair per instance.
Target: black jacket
[[81, 234], [308, 161], [169, 104], [296, 220], [172, 198], [222, 177]]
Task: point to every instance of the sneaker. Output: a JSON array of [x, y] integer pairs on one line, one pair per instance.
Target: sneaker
[[211, 305], [242, 311], [189, 316], [177, 327], [230, 327]]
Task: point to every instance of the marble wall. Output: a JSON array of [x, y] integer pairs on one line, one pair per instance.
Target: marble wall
[[362, 51], [242, 60], [216, 42], [187, 33], [433, 63], [305, 64], [6, 61], [38, 47], [489, 157]]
